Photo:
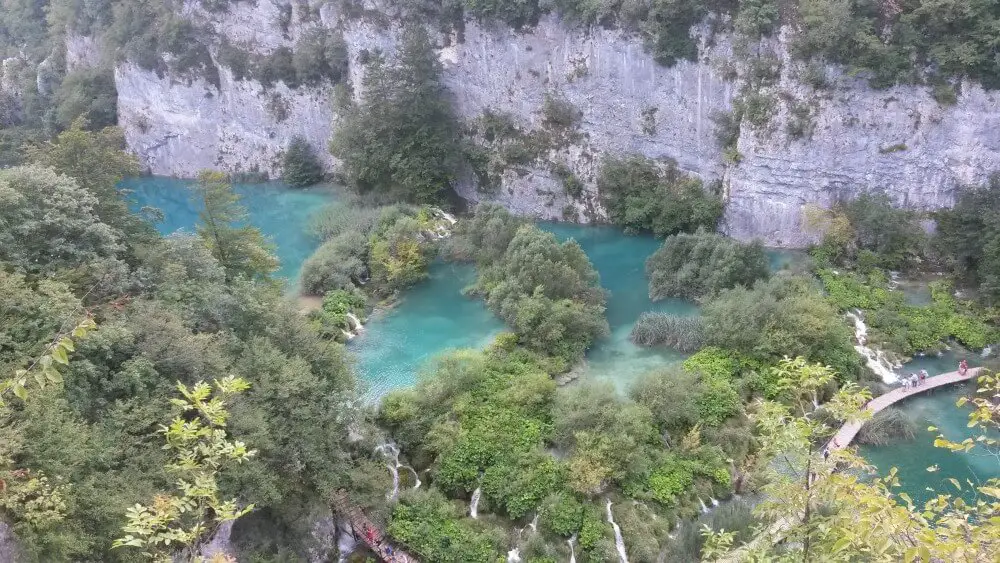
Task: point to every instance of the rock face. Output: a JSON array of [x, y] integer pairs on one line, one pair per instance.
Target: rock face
[[899, 141]]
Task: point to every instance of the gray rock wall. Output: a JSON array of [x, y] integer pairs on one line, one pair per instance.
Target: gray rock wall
[[178, 127]]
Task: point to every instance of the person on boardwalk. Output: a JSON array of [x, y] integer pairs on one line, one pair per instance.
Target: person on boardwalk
[[914, 381], [923, 376], [963, 367], [906, 384]]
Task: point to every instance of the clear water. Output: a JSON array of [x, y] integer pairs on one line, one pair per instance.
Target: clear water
[[934, 408], [431, 317], [280, 212]]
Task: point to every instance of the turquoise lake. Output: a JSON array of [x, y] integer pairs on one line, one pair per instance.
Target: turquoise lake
[[281, 213]]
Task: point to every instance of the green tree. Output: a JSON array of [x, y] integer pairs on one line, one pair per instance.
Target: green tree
[[320, 55], [98, 162], [403, 140], [89, 94], [639, 194], [969, 238], [701, 264], [299, 165], [182, 522], [241, 249], [49, 223]]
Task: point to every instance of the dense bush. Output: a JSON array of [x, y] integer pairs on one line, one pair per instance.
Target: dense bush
[[969, 238], [431, 528], [548, 292], [885, 427], [638, 194], [684, 334], [89, 94], [403, 140], [299, 165], [696, 265], [799, 322]]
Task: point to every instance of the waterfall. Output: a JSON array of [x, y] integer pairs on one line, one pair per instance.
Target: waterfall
[[446, 216], [703, 507], [534, 523], [572, 551], [474, 503], [347, 334], [354, 323], [391, 454], [874, 359], [715, 502], [986, 351], [514, 556], [619, 542]]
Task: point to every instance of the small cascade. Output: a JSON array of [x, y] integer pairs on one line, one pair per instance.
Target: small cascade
[[514, 556], [619, 541], [876, 360], [715, 502], [534, 523], [391, 454], [347, 334], [354, 323], [474, 503], [444, 215], [704, 508], [986, 351], [572, 550]]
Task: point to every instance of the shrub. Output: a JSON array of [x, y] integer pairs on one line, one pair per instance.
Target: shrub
[[696, 265], [561, 514], [559, 112], [684, 334], [887, 426], [300, 167], [640, 195], [336, 264], [88, 93]]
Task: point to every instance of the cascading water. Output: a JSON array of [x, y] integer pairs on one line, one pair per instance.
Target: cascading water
[[534, 523], [704, 508], [391, 454], [354, 323], [715, 502], [876, 360], [474, 503], [572, 550], [619, 541], [514, 556]]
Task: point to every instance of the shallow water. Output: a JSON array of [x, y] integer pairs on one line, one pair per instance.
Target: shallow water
[[280, 212], [934, 408], [431, 317]]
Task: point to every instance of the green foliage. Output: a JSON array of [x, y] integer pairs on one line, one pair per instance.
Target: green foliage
[[299, 165], [429, 526], [641, 195], [702, 264], [515, 14], [49, 223], [561, 513], [916, 41], [403, 140], [799, 321], [197, 437], [240, 249], [969, 238], [90, 94], [684, 334], [713, 362], [548, 292], [901, 327], [756, 18]]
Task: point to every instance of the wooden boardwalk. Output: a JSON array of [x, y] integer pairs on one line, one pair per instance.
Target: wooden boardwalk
[[365, 531], [847, 432]]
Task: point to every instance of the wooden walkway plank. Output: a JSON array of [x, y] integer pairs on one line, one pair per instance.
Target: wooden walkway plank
[[365, 531], [849, 431]]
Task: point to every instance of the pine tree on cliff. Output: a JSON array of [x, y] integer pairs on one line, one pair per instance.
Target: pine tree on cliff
[[403, 139], [300, 167]]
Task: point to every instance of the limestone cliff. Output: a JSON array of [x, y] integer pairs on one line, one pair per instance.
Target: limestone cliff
[[898, 140]]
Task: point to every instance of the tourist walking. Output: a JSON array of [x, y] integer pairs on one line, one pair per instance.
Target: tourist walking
[[923, 376], [913, 380], [963, 367]]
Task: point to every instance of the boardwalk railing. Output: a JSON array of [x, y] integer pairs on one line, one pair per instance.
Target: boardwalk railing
[[364, 530]]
